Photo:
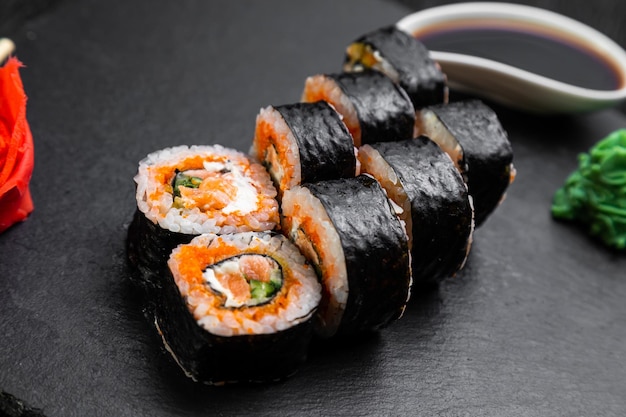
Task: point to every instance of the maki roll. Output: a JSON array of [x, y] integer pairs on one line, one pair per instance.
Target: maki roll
[[374, 108], [436, 207], [303, 142], [237, 307], [470, 132], [402, 58], [185, 191], [348, 230]]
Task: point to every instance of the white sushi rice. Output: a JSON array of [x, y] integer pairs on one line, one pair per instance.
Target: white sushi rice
[[322, 87], [427, 123], [302, 210], [254, 208], [295, 303], [374, 164], [281, 137]]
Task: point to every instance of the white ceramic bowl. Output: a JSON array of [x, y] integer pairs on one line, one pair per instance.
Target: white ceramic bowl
[[512, 86]]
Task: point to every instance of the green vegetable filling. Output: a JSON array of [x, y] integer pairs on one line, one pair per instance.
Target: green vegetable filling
[[261, 291], [245, 280], [595, 194], [183, 180]]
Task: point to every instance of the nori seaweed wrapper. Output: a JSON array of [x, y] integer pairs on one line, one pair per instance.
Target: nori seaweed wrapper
[[384, 110], [214, 359], [440, 208], [375, 248], [324, 142], [418, 74], [486, 151], [148, 247]]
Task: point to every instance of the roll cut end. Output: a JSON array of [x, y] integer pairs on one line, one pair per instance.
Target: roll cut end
[[234, 303], [404, 59]]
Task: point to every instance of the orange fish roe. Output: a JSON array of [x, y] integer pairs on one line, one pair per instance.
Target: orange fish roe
[[271, 145], [237, 285]]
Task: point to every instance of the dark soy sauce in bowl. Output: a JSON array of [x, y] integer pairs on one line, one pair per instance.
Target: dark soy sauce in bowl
[[529, 49], [525, 57]]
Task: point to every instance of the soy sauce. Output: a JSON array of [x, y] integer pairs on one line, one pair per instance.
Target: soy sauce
[[542, 54]]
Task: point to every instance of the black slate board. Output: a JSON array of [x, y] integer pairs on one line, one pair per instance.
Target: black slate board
[[534, 324]]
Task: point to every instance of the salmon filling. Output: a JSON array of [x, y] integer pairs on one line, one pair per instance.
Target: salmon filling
[[217, 186], [246, 280]]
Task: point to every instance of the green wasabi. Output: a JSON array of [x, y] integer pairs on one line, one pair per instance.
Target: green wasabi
[[595, 194]]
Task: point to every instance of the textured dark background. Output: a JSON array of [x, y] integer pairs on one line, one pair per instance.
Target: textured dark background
[[533, 326], [14, 13], [604, 15]]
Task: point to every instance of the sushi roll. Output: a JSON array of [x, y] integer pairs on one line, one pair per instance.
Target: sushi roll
[[470, 132], [402, 58], [374, 108], [436, 207], [185, 191], [303, 142], [348, 230], [237, 307]]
